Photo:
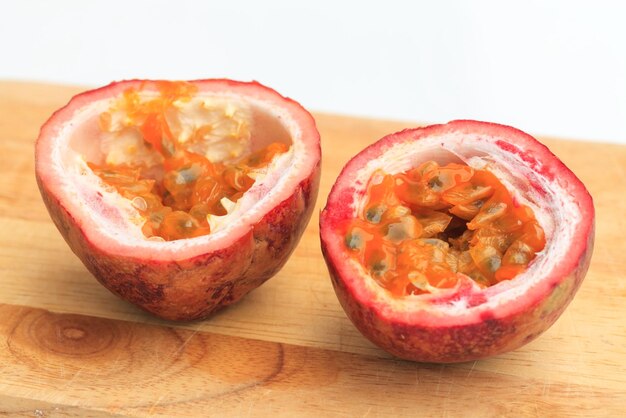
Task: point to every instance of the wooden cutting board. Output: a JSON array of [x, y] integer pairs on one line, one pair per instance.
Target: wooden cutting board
[[69, 347]]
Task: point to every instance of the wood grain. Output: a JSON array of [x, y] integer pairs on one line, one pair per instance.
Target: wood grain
[[70, 348]]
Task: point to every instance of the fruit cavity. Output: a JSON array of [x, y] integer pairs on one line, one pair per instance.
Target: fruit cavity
[[417, 231], [183, 162]]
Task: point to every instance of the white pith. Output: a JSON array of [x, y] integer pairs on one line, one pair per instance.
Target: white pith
[[228, 138], [556, 212], [101, 211]]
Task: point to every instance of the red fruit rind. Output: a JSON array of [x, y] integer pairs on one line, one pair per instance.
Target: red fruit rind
[[466, 322], [189, 278]]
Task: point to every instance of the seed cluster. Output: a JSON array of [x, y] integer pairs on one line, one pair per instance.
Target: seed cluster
[[179, 196], [421, 228]]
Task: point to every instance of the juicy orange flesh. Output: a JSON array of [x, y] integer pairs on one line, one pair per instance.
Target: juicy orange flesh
[[422, 228], [175, 203]]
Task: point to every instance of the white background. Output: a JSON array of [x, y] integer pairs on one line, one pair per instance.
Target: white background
[[547, 67]]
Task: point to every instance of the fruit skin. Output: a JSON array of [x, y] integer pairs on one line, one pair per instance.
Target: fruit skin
[[195, 287], [423, 334]]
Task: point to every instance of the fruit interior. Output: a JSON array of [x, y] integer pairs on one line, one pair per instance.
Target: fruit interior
[[182, 159], [421, 230]]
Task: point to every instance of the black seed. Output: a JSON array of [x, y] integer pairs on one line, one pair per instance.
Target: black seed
[[434, 242], [478, 203], [396, 232], [374, 214], [186, 176], [379, 267], [493, 263], [435, 183], [354, 240], [496, 208], [167, 146]]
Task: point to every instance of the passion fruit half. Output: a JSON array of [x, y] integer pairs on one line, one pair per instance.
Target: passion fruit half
[[455, 242], [180, 197]]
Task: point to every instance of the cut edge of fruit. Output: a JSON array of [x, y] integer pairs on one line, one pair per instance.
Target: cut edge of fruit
[[477, 144], [117, 218]]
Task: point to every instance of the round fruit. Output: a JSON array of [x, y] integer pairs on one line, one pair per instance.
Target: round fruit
[[180, 197], [455, 242]]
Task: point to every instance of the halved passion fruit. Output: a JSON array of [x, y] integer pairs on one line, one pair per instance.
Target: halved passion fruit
[[180, 197], [455, 242]]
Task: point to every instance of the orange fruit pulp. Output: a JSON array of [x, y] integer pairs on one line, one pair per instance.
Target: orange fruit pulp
[[176, 204], [420, 229]]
